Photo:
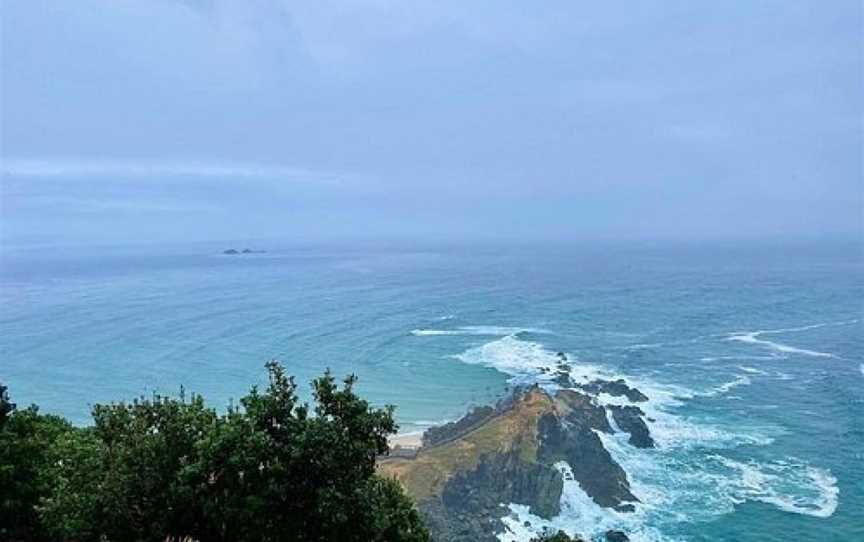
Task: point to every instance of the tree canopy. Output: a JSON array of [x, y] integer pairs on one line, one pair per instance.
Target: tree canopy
[[271, 469]]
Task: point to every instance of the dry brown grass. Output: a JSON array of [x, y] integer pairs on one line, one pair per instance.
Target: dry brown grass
[[515, 429]]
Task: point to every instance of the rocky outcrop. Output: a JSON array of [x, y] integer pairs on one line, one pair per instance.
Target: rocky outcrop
[[467, 471], [630, 420], [616, 536], [502, 478], [616, 388], [472, 499], [573, 438]]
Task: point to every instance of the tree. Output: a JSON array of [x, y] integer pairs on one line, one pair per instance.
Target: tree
[[71, 510], [270, 470], [6, 406], [25, 438]]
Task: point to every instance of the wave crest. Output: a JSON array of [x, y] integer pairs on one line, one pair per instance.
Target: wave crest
[[752, 337], [676, 481], [495, 331]]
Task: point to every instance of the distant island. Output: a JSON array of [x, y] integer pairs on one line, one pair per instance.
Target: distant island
[[233, 251]]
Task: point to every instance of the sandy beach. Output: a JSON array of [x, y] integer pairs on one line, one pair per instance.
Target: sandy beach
[[407, 440]]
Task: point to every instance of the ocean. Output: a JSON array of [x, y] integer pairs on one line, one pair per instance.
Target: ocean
[[752, 353]]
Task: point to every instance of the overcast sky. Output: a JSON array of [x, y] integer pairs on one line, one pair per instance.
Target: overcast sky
[[170, 120]]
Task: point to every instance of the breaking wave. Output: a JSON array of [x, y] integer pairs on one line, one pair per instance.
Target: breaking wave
[[740, 380], [682, 479], [752, 337], [755, 337], [752, 370], [771, 357], [499, 331], [579, 516], [790, 485]]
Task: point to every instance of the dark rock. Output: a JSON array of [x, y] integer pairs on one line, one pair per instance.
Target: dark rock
[[629, 419], [562, 369], [506, 478], [617, 388], [562, 378], [507, 454], [584, 412], [471, 500], [231, 251], [574, 440], [446, 527], [616, 536], [452, 430]]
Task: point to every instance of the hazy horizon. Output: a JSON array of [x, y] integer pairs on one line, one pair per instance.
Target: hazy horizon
[[210, 120]]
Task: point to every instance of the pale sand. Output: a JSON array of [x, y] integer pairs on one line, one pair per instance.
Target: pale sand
[[407, 440]]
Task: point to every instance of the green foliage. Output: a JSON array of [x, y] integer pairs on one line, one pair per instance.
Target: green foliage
[[75, 469], [25, 439], [6, 406], [271, 470]]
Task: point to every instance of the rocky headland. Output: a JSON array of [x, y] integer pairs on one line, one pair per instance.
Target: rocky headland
[[465, 473]]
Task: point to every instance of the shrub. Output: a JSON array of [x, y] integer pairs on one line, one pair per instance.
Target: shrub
[[270, 470]]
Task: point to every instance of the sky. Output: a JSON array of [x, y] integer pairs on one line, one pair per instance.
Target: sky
[[187, 120]]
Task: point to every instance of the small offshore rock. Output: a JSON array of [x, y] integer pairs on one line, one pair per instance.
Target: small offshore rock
[[616, 536], [629, 419], [617, 388]]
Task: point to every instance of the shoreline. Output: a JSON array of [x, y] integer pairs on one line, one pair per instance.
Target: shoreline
[[413, 440]]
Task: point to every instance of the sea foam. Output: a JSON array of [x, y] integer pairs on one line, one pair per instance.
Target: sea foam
[[752, 337], [495, 331], [673, 481], [755, 337], [752, 370], [790, 485], [580, 515], [740, 380]]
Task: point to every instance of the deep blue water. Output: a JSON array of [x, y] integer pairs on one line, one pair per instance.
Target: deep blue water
[[752, 353]]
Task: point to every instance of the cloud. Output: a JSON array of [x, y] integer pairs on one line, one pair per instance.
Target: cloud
[[100, 169], [663, 118], [698, 133], [91, 205]]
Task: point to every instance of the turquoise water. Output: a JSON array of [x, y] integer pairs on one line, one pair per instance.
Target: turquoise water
[[752, 354]]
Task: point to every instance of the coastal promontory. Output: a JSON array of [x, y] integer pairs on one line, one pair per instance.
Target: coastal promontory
[[521, 451]]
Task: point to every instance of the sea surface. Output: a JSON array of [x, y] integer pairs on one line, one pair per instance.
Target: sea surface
[[752, 353]]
